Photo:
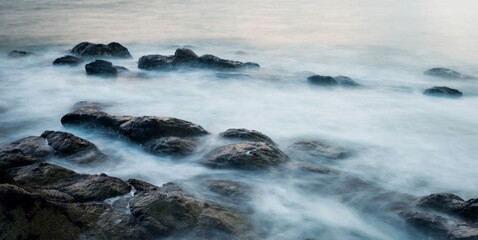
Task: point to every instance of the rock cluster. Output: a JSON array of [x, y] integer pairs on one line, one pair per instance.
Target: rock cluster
[[112, 50]]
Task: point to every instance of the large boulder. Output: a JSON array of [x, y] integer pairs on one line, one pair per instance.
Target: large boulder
[[143, 129], [446, 73], [67, 60], [173, 146], [19, 53], [171, 211], [443, 92], [246, 135], [112, 50], [184, 57], [246, 156], [92, 118], [318, 149], [101, 67]]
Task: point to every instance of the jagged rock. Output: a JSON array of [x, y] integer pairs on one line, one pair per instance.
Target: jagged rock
[[171, 211], [184, 57], [19, 53], [447, 73], [174, 146], [100, 67], [27, 215], [247, 135], [322, 80], [450, 204], [81, 187], [143, 129], [246, 156], [67, 60], [112, 50], [346, 81], [443, 91], [315, 148]]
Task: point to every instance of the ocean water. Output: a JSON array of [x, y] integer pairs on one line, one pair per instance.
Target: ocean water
[[403, 140]]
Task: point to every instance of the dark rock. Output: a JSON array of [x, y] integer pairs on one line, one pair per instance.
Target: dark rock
[[322, 80], [16, 159], [155, 62], [447, 73], [315, 148], [174, 146], [184, 57], [121, 69], [142, 185], [346, 81], [441, 202], [232, 190], [143, 129], [67, 60], [176, 212], [246, 156], [443, 91], [5, 178], [100, 67], [18, 53], [247, 135], [91, 118], [33, 146], [27, 215], [469, 210], [88, 105], [112, 50], [81, 187]]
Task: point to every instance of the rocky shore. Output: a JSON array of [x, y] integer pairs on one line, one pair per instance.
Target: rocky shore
[[42, 200]]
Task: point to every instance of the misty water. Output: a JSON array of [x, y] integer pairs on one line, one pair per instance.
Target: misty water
[[402, 140]]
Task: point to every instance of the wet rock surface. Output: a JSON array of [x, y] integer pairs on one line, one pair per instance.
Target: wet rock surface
[[174, 146], [101, 67], [112, 50], [231, 190], [443, 92], [184, 57], [246, 135], [68, 60], [315, 148], [246, 156], [346, 81], [447, 73], [319, 80]]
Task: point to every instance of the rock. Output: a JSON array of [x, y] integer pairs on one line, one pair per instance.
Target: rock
[[112, 50], [88, 105], [5, 178], [246, 135], [67, 60], [450, 204], [443, 92], [322, 80], [121, 69], [143, 129], [18, 53], [446, 73], [234, 191], [184, 57], [100, 67], [91, 118], [16, 159], [174, 212], [346, 81], [27, 215], [82, 187], [246, 156], [174, 146], [33, 146], [315, 148], [469, 210]]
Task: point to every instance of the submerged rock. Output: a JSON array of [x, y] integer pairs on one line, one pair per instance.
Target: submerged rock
[[247, 135], [174, 146], [315, 148], [92, 118], [184, 57], [19, 53], [346, 81], [246, 156], [322, 80], [170, 211], [450, 204], [100, 67], [88, 105], [447, 73], [443, 91], [67, 60], [231, 190], [112, 50]]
